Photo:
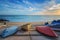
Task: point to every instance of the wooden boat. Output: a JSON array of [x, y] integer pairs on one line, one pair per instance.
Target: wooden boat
[[9, 31], [26, 27], [46, 31]]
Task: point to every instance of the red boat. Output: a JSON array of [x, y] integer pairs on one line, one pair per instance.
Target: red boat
[[46, 31]]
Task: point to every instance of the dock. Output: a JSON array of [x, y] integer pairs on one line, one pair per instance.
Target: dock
[[31, 35]]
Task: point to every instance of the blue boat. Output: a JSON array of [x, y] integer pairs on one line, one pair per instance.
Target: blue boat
[[55, 21], [9, 31], [1, 31], [55, 25]]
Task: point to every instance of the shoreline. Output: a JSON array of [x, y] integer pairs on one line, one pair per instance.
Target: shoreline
[[22, 23], [18, 24]]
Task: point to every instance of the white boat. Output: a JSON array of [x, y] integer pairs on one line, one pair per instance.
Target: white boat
[[9, 31]]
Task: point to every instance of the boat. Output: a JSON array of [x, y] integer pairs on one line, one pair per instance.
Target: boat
[[56, 29], [46, 31], [9, 31], [53, 24]]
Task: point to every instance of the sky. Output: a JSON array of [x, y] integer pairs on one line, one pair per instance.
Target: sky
[[29, 7]]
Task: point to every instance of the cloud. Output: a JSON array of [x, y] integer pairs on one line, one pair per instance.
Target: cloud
[[31, 9], [54, 7], [28, 7], [53, 10]]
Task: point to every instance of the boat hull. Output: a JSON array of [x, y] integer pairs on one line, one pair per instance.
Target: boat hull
[[9, 31], [46, 31]]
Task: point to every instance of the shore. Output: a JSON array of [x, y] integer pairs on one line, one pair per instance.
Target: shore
[[22, 23], [19, 24]]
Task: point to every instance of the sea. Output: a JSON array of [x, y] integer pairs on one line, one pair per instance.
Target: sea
[[30, 18]]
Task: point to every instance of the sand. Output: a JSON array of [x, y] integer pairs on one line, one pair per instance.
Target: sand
[[22, 23]]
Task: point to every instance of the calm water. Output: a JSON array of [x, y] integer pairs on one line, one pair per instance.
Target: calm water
[[29, 18]]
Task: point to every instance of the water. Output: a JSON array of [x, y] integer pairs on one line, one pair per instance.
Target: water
[[29, 18]]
